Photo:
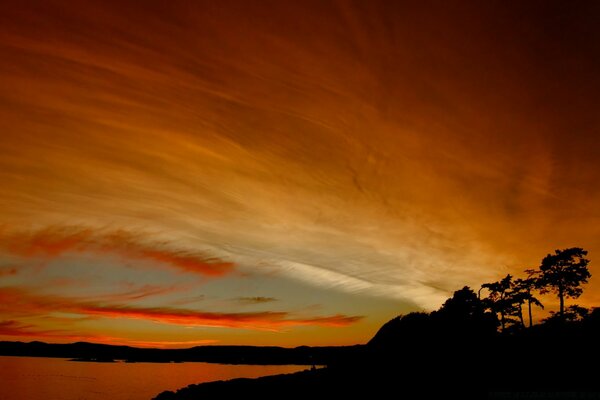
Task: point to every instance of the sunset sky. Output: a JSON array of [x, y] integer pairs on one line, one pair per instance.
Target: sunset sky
[[176, 173]]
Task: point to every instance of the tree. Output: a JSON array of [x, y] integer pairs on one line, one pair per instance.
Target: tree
[[516, 297], [498, 299], [523, 289], [463, 305], [563, 273], [573, 313], [465, 313]]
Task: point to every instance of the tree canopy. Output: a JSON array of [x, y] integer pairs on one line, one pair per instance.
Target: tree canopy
[[563, 273]]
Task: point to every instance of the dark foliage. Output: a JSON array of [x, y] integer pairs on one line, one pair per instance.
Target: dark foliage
[[563, 273]]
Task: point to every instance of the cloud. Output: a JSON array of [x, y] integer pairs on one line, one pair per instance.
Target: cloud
[[420, 293], [15, 328], [141, 292], [7, 271], [170, 343], [12, 328], [255, 300], [19, 301], [52, 242], [268, 320]]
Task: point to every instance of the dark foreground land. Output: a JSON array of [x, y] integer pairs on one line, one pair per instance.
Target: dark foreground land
[[455, 352], [435, 369], [563, 364]]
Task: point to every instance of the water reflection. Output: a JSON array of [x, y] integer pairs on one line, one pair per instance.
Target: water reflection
[[56, 378]]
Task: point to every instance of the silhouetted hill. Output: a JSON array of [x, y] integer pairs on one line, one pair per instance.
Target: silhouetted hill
[[454, 352], [257, 355], [542, 360]]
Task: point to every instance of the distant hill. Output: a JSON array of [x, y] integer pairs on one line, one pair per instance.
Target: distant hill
[[256, 355]]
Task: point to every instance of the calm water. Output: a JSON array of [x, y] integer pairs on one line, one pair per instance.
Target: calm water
[[57, 378]]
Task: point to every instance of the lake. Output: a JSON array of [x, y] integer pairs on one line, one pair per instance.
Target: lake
[[37, 378]]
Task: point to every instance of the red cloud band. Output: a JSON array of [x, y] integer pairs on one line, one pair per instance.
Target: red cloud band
[[12, 329], [21, 302], [53, 242], [257, 320], [18, 329]]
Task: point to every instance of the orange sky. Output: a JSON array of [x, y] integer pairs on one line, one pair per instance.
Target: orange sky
[[176, 173]]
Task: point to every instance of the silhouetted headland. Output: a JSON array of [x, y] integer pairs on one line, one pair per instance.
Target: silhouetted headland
[[455, 352], [471, 347]]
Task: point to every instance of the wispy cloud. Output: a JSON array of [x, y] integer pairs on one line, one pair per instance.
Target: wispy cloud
[[420, 293], [139, 293], [53, 242], [170, 343], [8, 271], [268, 320], [21, 302], [13, 328], [255, 300]]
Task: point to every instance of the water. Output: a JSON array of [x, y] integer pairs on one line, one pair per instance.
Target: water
[[36, 378]]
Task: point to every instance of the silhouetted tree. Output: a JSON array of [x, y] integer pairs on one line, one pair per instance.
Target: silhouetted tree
[[516, 297], [592, 321], [498, 299], [563, 273], [463, 305], [465, 312], [523, 291], [573, 313], [577, 313]]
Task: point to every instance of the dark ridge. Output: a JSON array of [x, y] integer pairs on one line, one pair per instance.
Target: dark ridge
[[82, 351]]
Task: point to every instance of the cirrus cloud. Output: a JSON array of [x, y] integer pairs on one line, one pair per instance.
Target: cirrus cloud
[[22, 302], [52, 242], [255, 300]]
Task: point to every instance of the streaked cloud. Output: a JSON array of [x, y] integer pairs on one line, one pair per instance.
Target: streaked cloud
[[250, 320], [13, 328], [170, 343], [7, 271], [55, 241], [255, 300], [139, 293], [21, 302]]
